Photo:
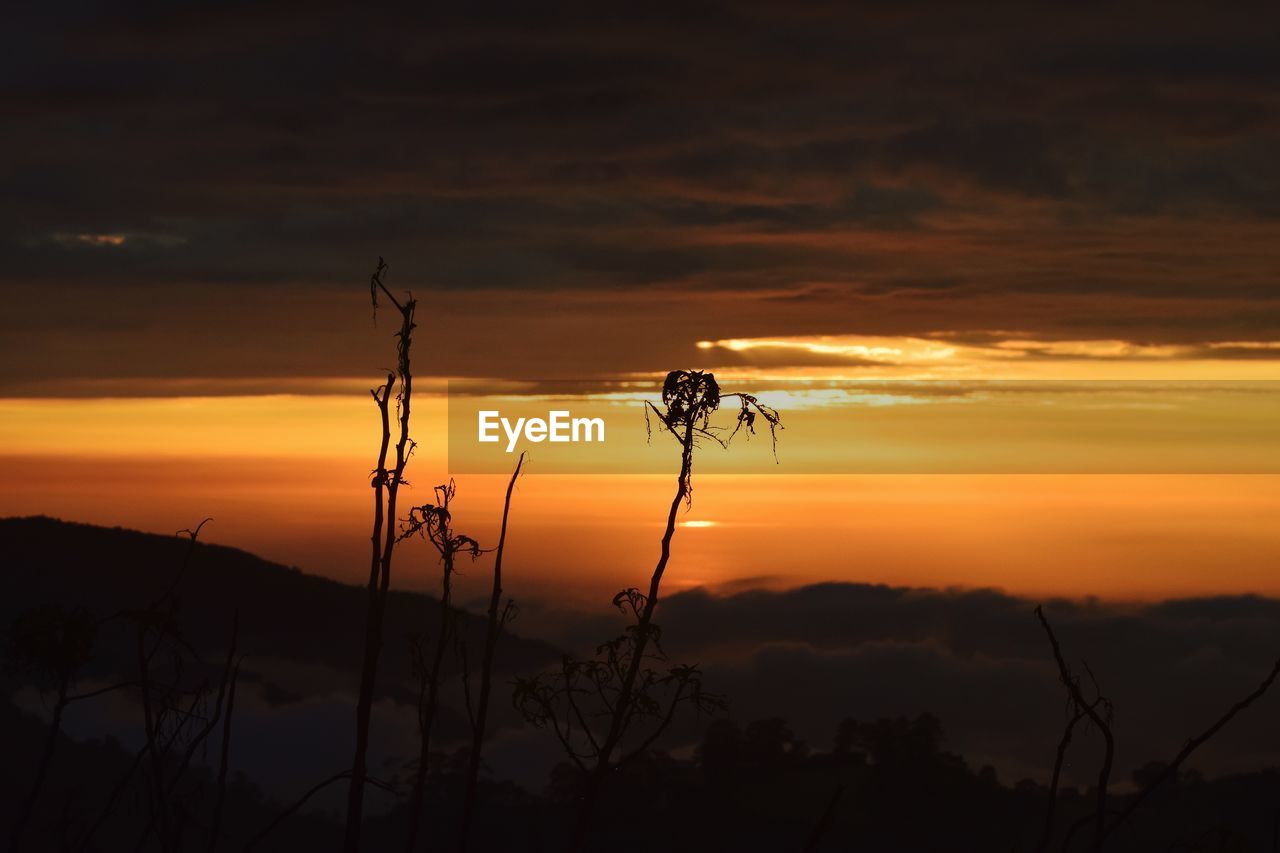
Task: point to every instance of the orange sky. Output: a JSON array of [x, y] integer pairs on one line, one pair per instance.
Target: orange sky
[[805, 198], [285, 476]]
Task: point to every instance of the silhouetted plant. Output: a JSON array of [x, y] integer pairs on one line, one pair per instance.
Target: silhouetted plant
[[177, 718], [574, 701], [620, 680], [823, 826], [434, 523], [1099, 712], [499, 614], [215, 826], [52, 645], [298, 804], [386, 483], [208, 724], [49, 645]]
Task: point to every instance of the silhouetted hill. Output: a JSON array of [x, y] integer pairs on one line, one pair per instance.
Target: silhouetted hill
[[284, 613], [884, 784]]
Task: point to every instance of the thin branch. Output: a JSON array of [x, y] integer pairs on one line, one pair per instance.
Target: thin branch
[[1171, 769], [192, 536], [212, 723], [1046, 834], [109, 808], [215, 827], [302, 801], [1073, 688], [657, 732], [582, 721], [824, 822], [91, 694]]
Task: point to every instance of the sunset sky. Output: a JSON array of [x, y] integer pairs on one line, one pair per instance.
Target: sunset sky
[[848, 212]]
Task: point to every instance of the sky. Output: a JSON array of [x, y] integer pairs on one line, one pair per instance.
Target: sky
[[804, 198]]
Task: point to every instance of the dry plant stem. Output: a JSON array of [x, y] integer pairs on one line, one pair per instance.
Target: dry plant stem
[[373, 630], [185, 718], [212, 723], [621, 710], [1073, 688], [46, 758], [428, 705], [496, 619], [1171, 769], [302, 801], [155, 783], [215, 828], [433, 523], [293, 809], [689, 399], [157, 791], [64, 699], [192, 535], [386, 486], [824, 822], [156, 786], [1046, 835], [151, 750], [86, 843], [226, 685]]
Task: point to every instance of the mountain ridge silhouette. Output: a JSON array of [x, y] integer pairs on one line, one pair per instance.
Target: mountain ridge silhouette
[[284, 612]]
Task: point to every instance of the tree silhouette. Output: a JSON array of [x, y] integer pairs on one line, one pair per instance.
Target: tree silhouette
[[386, 482], [621, 680], [50, 645], [434, 523]]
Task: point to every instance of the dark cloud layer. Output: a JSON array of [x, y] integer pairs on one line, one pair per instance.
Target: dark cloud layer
[[1082, 168], [979, 661]]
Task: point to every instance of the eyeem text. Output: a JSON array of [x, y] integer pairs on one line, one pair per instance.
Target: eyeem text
[[559, 426]]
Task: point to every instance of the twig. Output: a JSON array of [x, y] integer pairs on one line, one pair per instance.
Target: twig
[[824, 822], [1073, 688], [215, 827], [1171, 769], [1046, 834], [302, 801]]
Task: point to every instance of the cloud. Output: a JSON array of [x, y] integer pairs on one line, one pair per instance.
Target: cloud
[[979, 661], [1003, 155], [992, 355], [111, 240], [906, 169]]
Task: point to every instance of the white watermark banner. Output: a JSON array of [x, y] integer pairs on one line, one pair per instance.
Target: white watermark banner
[[869, 426]]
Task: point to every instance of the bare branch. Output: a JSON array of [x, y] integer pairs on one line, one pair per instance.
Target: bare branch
[[386, 483], [302, 801], [824, 822], [215, 828], [1090, 709], [1171, 769]]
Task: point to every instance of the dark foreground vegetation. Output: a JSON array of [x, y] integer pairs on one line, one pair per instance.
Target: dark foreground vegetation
[[171, 645], [886, 785]]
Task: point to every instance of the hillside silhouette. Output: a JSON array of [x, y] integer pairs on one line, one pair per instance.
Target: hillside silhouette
[[885, 784], [284, 613]]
